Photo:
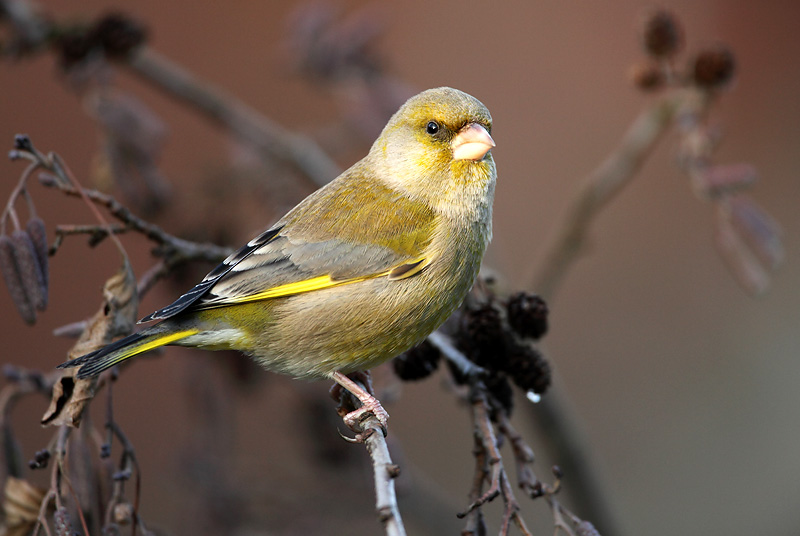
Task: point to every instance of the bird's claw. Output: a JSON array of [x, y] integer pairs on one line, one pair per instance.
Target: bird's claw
[[355, 421]]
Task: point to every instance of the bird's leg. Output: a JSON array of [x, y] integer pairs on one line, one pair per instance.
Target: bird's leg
[[370, 404]]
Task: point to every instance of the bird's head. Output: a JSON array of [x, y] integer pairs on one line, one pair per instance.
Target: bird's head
[[439, 141]]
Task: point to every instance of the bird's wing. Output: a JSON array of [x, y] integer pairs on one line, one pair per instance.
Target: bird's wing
[[293, 258]]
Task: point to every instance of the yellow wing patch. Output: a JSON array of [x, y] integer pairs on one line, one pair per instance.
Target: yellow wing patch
[[307, 285], [326, 281]]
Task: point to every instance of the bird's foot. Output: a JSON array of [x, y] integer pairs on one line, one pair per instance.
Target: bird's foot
[[370, 406]]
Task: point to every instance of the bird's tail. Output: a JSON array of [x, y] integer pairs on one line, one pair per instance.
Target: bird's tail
[[96, 362]]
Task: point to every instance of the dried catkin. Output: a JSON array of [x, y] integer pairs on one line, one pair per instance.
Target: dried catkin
[[11, 275], [38, 233], [30, 272]]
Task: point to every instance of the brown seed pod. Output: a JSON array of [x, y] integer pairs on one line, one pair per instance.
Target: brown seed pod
[[662, 36], [713, 68], [38, 233], [527, 315], [11, 275], [528, 369], [418, 362], [118, 34], [481, 336], [30, 271]]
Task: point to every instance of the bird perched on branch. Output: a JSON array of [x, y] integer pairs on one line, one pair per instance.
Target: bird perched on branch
[[358, 272]]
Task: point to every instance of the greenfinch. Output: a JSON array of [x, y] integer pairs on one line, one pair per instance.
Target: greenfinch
[[361, 270]]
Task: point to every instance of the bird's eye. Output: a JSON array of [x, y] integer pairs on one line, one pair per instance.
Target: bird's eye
[[432, 128]]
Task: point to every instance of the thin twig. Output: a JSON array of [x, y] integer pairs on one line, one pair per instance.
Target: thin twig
[[185, 249], [19, 189], [385, 472], [512, 510], [97, 233], [128, 465], [568, 240], [475, 522], [523, 458], [54, 493], [371, 433], [486, 444], [41, 520], [271, 139], [75, 498], [601, 186], [246, 123], [454, 355]]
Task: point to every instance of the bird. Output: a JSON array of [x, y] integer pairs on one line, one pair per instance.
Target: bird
[[361, 270]]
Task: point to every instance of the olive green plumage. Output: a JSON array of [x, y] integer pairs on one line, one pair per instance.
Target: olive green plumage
[[360, 270]]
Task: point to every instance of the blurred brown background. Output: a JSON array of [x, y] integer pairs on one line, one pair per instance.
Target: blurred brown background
[[686, 387]]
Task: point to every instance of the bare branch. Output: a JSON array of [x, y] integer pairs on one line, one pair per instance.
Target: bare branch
[[385, 472], [185, 250], [600, 187], [452, 354], [246, 123]]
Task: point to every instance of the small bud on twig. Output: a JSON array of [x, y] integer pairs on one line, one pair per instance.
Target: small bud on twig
[[713, 68], [123, 474], [40, 459], [22, 142], [662, 36]]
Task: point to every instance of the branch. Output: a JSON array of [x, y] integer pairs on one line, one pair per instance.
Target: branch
[[272, 140], [601, 186], [488, 455], [179, 248], [445, 345], [385, 472], [172, 249], [34, 31], [370, 431]]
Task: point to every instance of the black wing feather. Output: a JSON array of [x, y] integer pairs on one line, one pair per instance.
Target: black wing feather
[[198, 291]]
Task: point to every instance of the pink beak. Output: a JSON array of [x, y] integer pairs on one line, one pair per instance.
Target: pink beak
[[471, 143]]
